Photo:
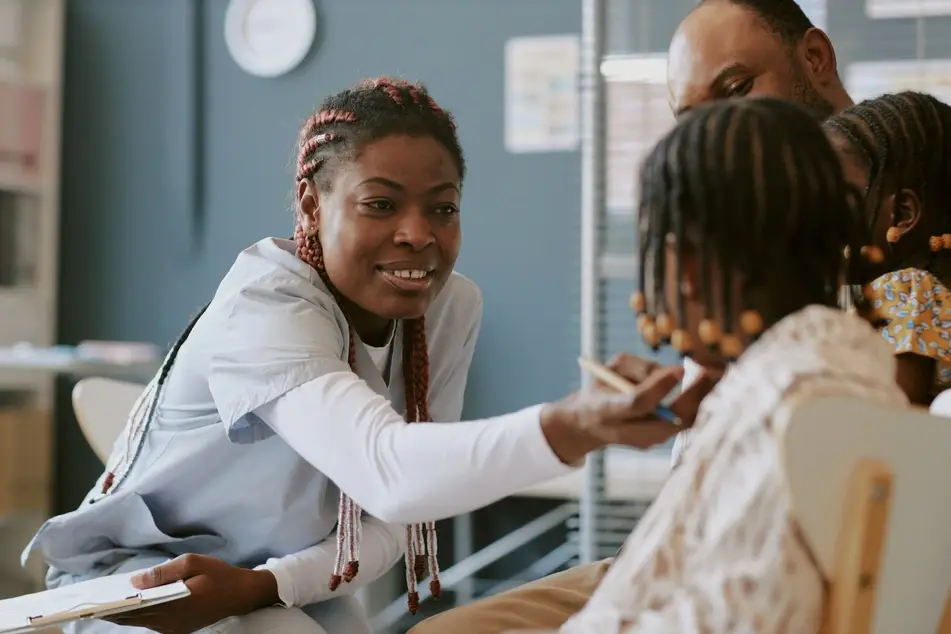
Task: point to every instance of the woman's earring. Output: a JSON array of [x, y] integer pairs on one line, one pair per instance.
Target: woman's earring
[[893, 235]]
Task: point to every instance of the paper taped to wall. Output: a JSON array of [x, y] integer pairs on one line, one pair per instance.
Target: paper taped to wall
[[541, 93]]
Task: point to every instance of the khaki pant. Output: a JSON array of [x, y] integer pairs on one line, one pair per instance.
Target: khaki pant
[[543, 604]]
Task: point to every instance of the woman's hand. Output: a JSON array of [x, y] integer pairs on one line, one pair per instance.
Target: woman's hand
[[218, 591], [687, 403], [594, 418]]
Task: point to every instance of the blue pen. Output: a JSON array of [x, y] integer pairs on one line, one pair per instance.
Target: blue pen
[[619, 383]]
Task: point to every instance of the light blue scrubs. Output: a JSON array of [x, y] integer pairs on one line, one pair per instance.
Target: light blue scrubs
[[212, 478]]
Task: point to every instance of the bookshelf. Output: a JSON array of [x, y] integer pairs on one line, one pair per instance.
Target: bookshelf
[[31, 79]]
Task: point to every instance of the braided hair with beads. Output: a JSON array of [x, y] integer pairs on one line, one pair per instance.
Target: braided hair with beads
[[754, 189], [903, 140], [342, 125], [335, 134]]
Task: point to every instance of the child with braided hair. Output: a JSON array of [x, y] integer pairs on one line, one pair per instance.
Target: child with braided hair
[[896, 149], [284, 456], [743, 223]]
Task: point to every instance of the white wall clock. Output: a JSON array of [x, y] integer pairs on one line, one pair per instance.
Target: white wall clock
[[269, 38]]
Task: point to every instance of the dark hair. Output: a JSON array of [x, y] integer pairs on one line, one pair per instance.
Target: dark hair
[[343, 125], [337, 132], [784, 17], [375, 108], [904, 140], [755, 189]]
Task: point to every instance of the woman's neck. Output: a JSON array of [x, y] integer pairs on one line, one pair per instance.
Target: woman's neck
[[373, 330]]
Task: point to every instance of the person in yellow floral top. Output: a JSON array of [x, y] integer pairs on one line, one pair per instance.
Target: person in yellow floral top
[[918, 309], [896, 149]]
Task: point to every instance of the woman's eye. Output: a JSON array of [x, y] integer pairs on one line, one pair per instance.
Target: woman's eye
[[379, 205], [447, 209]]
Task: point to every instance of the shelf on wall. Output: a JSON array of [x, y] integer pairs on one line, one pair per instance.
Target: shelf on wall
[[23, 107], [19, 227], [21, 186], [31, 61], [26, 315]]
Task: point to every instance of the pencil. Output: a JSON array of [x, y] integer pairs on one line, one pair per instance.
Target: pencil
[[619, 383]]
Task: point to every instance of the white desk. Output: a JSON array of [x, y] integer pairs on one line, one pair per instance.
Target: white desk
[[66, 360]]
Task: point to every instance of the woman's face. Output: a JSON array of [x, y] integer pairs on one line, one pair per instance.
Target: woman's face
[[389, 226]]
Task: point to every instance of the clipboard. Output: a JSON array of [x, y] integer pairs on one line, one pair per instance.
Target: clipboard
[[92, 599]]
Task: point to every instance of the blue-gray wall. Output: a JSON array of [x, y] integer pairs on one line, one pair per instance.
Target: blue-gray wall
[[131, 267]]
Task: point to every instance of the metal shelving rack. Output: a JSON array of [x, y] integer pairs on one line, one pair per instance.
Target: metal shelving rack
[[625, 94], [593, 123]]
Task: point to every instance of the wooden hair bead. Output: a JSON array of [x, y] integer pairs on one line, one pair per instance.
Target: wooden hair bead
[[873, 254], [664, 326], [730, 346], [638, 302], [680, 340], [751, 323], [847, 252], [946, 240], [893, 235], [936, 243], [643, 321], [709, 332], [649, 334]]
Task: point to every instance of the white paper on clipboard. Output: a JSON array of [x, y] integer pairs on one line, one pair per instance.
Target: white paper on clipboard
[[86, 600]]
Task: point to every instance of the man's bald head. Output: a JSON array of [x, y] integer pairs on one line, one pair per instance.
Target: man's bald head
[[755, 48]]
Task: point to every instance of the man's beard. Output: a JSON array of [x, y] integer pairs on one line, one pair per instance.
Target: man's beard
[[806, 95]]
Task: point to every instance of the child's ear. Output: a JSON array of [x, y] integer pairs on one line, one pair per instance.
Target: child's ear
[[907, 210]]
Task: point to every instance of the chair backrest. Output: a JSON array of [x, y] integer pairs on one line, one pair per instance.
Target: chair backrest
[[102, 407], [869, 490], [941, 405]]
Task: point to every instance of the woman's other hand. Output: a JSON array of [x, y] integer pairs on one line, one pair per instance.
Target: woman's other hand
[[686, 404], [596, 417], [218, 591]]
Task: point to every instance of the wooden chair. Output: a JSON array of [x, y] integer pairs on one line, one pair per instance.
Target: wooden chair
[[869, 488], [102, 407]]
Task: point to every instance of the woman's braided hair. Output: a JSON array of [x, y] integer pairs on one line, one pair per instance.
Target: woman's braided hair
[[337, 131], [335, 134]]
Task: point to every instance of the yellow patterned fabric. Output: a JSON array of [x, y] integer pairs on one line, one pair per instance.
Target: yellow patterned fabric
[[917, 307]]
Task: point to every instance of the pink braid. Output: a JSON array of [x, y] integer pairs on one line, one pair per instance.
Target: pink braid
[[421, 547]]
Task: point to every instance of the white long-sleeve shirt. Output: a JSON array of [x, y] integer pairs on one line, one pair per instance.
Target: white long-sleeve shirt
[[262, 420], [398, 472]]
